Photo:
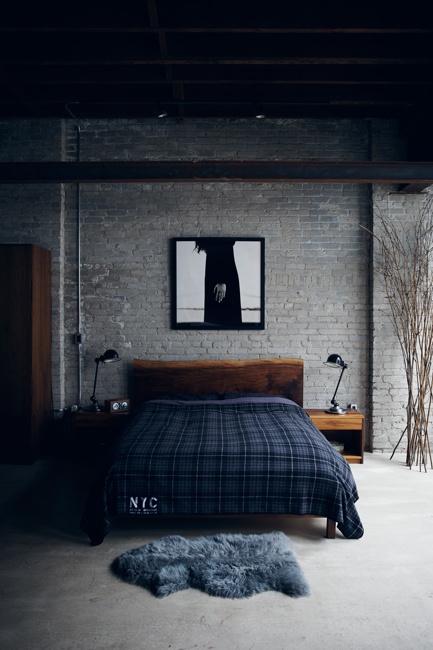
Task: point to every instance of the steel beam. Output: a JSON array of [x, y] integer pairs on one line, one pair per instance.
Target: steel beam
[[217, 171]]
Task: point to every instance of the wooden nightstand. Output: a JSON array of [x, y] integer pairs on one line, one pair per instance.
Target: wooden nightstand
[[348, 429], [95, 430]]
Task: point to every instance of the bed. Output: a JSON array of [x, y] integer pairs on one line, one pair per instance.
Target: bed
[[221, 438]]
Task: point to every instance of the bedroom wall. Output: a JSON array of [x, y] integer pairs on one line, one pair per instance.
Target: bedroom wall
[[318, 289]]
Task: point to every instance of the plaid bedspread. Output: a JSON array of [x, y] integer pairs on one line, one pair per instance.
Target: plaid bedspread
[[261, 455]]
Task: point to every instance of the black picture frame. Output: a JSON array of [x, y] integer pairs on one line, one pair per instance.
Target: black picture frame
[[201, 299]]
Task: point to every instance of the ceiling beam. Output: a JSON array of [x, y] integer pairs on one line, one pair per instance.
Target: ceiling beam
[[217, 171], [156, 29], [111, 58]]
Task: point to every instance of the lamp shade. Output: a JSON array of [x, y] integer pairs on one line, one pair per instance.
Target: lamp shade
[[334, 361], [109, 356]]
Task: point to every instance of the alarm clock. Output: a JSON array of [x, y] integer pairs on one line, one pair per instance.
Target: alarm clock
[[119, 405]]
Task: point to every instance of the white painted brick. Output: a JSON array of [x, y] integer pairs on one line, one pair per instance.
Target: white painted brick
[[317, 278]]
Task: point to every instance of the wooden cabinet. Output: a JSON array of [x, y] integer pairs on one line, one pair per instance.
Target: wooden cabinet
[[95, 430], [25, 350], [347, 429]]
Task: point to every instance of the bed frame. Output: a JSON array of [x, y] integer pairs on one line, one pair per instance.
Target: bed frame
[[278, 376], [283, 377]]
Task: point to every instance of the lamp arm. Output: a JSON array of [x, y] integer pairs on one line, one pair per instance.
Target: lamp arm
[[338, 384], [93, 398]]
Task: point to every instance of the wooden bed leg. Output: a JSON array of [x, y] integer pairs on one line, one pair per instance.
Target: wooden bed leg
[[330, 529]]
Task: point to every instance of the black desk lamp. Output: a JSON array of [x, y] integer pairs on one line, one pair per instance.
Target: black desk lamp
[[335, 361], [108, 357]]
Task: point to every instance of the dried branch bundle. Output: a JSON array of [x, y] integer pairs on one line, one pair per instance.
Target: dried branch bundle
[[404, 260]]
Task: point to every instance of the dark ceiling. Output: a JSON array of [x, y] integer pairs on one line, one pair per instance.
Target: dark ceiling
[[231, 59], [226, 59], [335, 59]]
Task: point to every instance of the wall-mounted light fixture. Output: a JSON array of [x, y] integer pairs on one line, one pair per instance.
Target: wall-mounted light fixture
[[161, 112], [259, 114]]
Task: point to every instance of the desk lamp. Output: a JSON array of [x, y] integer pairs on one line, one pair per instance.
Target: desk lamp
[[108, 357], [335, 361]]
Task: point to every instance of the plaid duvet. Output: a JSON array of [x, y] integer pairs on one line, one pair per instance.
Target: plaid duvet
[[247, 455]]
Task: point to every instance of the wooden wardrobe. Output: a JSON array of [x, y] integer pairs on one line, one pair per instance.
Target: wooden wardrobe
[[25, 351]]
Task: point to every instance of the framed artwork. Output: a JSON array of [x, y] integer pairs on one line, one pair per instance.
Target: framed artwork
[[218, 283]]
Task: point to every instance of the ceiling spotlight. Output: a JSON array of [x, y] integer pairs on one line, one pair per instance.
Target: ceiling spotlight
[[161, 112], [259, 114]]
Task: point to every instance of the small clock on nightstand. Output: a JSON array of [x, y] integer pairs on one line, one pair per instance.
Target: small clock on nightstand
[[119, 405]]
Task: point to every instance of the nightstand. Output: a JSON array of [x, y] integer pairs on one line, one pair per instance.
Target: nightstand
[[95, 430], [348, 429]]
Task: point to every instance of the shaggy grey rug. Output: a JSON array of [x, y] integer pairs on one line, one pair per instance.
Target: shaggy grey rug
[[229, 566]]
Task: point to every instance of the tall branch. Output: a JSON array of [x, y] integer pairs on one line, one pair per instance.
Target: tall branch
[[404, 259]]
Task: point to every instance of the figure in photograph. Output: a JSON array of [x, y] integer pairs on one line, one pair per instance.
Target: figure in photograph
[[222, 291]]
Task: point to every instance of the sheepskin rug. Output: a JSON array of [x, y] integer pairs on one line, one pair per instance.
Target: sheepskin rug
[[224, 565]]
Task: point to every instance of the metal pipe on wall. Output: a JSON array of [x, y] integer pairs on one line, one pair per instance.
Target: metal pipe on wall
[[78, 335]]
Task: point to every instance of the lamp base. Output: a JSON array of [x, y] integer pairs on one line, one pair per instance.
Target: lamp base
[[336, 410]]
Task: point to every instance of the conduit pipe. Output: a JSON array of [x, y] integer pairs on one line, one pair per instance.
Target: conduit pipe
[[78, 339]]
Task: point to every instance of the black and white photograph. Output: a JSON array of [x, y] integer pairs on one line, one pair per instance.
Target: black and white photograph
[[218, 283]]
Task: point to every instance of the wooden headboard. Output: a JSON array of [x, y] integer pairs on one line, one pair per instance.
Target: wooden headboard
[[278, 376]]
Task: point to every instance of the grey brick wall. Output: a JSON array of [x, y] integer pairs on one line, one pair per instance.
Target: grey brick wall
[[318, 293]]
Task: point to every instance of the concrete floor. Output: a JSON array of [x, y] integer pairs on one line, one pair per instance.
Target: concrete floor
[[57, 592]]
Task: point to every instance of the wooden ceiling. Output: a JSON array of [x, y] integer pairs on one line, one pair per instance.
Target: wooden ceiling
[[236, 59], [225, 59]]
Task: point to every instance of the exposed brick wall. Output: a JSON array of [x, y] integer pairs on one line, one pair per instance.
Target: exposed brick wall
[[317, 259], [30, 140]]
